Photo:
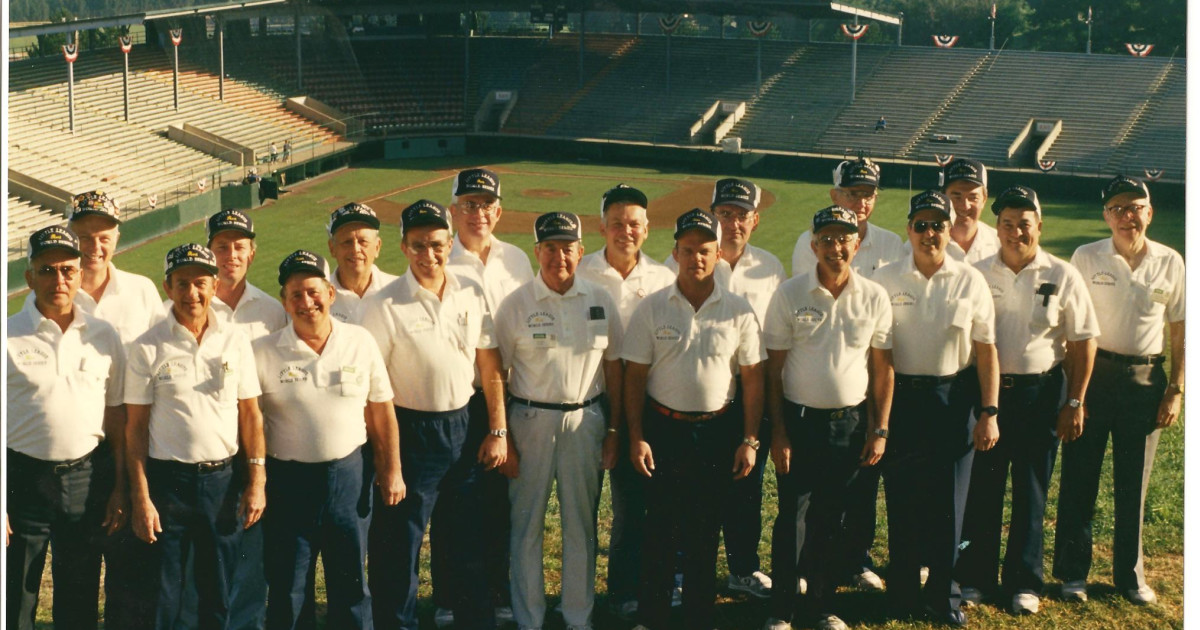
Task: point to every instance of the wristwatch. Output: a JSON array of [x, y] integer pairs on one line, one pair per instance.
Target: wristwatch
[[883, 433], [256, 461], [1174, 388], [992, 410], [752, 442], [498, 433], [1074, 403]]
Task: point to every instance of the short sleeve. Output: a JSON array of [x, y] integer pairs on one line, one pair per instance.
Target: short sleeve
[[1178, 302], [1081, 322], [487, 329], [637, 345], [750, 345], [615, 332], [503, 333], [803, 260], [380, 384], [114, 387], [377, 320], [983, 320], [881, 337], [777, 329], [248, 386], [139, 384]]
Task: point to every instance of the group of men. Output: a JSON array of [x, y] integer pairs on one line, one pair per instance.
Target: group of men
[[361, 409]]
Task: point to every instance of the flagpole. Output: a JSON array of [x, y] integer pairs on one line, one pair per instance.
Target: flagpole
[[853, 63], [992, 43], [71, 92], [1089, 39], [125, 84]]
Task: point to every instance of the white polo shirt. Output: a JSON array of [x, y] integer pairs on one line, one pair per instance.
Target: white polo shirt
[[192, 388], [757, 274], [59, 383], [507, 268], [1131, 304], [260, 312], [935, 320], [313, 403], [646, 277], [827, 339], [130, 303], [347, 308], [1032, 330], [693, 354], [429, 344], [985, 245], [555, 344], [878, 248]]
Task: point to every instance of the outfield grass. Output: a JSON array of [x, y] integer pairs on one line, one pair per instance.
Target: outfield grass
[[297, 221]]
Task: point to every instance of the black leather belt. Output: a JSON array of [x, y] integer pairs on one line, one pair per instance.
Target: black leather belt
[[1147, 359], [917, 381], [57, 467], [557, 406], [684, 415], [1009, 381], [200, 468], [832, 414]]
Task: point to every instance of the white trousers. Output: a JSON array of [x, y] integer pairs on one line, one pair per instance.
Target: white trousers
[[563, 447]]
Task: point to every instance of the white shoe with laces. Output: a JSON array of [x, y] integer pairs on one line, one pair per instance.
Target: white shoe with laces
[[1075, 591], [1141, 596], [867, 581], [757, 584], [1025, 603], [831, 622]]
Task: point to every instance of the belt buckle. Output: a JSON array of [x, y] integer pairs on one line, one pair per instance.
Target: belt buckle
[[837, 415], [207, 467], [62, 468], [1007, 382]]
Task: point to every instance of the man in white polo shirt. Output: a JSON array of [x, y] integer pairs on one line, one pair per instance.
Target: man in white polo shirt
[[942, 316], [561, 336], [325, 396], [682, 349], [231, 239], [828, 335], [354, 244], [192, 390], [434, 331], [629, 275], [64, 424], [1136, 285], [856, 188], [1045, 338], [965, 182], [127, 301]]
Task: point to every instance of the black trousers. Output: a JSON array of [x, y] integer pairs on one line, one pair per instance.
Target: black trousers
[[1028, 444], [926, 471]]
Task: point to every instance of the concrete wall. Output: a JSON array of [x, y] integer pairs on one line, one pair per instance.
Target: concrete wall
[[212, 144], [38, 192], [329, 117]]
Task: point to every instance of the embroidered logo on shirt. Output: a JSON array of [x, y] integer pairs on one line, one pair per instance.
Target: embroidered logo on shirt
[[293, 374], [668, 333], [1104, 279], [169, 371], [539, 319], [809, 315], [903, 298], [31, 357]]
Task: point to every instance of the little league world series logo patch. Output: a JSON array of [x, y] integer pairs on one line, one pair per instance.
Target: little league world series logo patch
[[1104, 279]]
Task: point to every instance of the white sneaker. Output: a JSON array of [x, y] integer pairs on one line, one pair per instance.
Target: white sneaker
[[504, 614], [1025, 603], [831, 622], [757, 584], [801, 586], [776, 624], [1074, 591], [971, 596], [924, 575], [866, 581], [1142, 596], [443, 618]]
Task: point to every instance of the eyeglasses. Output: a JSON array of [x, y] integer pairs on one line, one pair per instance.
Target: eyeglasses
[[485, 208], [66, 271], [936, 226], [860, 195], [436, 247], [730, 215], [841, 239], [1135, 208]]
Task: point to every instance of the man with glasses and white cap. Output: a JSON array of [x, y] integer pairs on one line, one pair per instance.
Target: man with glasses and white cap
[[326, 399], [683, 346], [1136, 285], [560, 336], [1045, 338], [354, 244], [191, 389], [943, 317], [65, 422], [434, 330], [629, 275], [828, 336]]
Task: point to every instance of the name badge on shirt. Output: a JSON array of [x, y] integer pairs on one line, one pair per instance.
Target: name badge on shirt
[[351, 380], [544, 340], [595, 313], [1159, 296]]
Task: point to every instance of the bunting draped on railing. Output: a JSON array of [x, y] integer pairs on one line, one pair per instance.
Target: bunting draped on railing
[[759, 28], [126, 43], [1047, 165], [176, 36], [668, 23], [1153, 174], [855, 31], [943, 159], [1139, 50], [71, 52], [944, 41]]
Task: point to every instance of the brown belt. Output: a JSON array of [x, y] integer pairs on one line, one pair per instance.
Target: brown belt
[[687, 417]]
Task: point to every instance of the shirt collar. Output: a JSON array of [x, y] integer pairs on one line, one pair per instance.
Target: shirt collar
[[459, 252], [373, 284], [38, 321], [1153, 249], [542, 292], [1041, 260], [910, 266], [290, 340], [813, 284], [216, 324], [415, 290], [713, 298]]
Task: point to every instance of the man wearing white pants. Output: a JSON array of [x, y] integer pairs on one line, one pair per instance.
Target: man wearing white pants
[[561, 337]]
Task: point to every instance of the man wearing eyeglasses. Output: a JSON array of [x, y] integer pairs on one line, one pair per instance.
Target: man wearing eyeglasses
[[828, 335], [943, 317], [1136, 285], [500, 268], [65, 423], [1045, 339]]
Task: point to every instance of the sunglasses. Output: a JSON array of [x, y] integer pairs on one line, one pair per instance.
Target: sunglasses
[[936, 226]]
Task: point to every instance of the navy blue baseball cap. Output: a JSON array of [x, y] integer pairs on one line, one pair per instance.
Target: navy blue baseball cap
[[739, 192], [834, 215], [863, 171], [477, 181], [422, 213], [304, 261], [230, 219], [929, 200], [53, 237], [1017, 197], [190, 254], [964, 169], [353, 212], [1124, 184], [558, 226], [622, 193], [697, 219]]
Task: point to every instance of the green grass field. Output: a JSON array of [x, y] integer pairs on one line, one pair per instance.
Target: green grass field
[[297, 221]]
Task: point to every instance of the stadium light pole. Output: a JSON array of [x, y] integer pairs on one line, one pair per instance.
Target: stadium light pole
[[853, 63], [221, 58], [299, 58]]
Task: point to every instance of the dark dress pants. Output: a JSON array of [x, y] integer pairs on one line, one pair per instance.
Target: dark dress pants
[[743, 525]]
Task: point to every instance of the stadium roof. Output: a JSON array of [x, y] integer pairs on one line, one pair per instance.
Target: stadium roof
[[136, 18]]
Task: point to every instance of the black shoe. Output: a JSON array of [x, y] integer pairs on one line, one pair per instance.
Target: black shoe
[[951, 618]]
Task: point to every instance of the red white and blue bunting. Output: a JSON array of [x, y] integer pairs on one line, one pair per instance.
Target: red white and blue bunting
[[993, 16], [943, 159], [176, 36], [759, 28], [944, 41], [1047, 165], [126, 43], [855, 31], [1139, 50], [71, 52], [1153, 174], [668, 23]]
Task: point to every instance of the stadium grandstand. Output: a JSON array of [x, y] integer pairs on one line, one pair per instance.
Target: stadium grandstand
[[205, 95]]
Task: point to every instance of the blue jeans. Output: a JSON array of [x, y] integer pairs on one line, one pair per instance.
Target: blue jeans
[[317, 508], [439, 464], [61, 508]]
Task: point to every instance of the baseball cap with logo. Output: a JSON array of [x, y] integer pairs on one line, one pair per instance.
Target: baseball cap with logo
[[1124, 184], [422, 213], [352, 212], [94, 203], [834, 215], [558, 226], [305, 261], [622, 193], [53, 237], [929, 200], [697, 219], [190, 254], [739, 192], [476, 181], [964, 169], [230, 219], [860, 172], [1017, 197]]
